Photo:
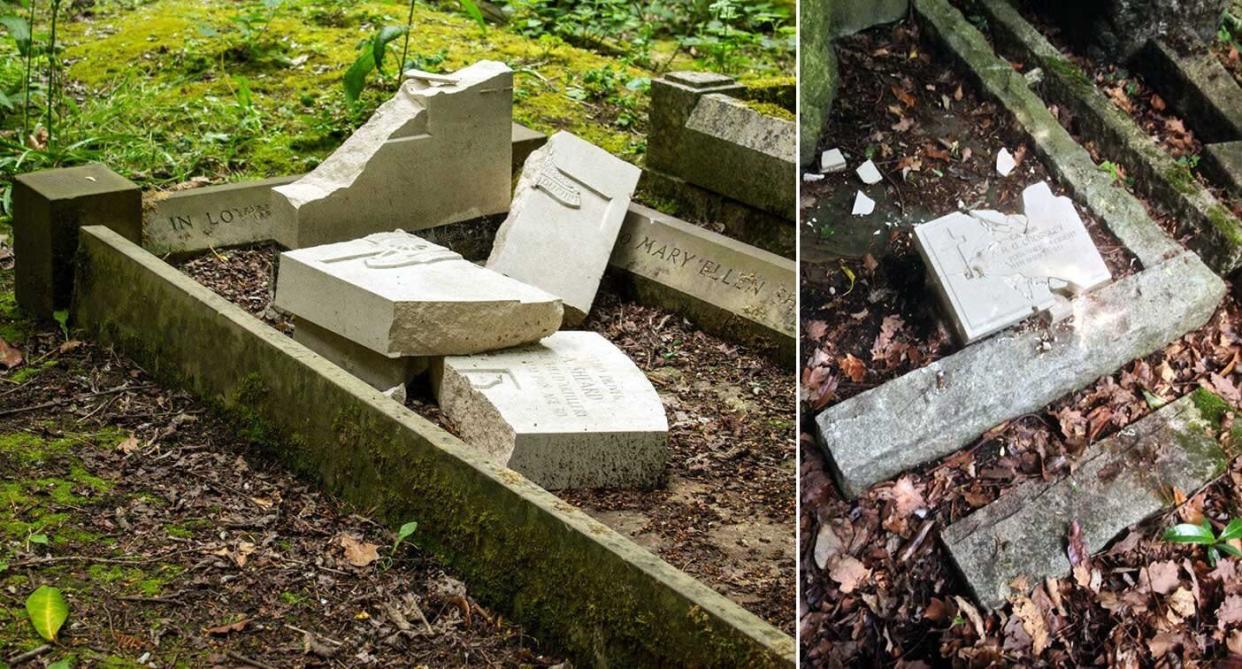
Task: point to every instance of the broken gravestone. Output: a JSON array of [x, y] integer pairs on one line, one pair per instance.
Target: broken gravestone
[[1118, 482], [438, 152], [571, 411], [400, 295], [1118, 29], [567, 210], [992, 270]]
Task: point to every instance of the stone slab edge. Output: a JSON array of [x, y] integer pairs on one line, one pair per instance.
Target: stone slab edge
[[1219, 241], [933, 411], [1120, 481], [1124, 215], [559, 573], [1198, 87]]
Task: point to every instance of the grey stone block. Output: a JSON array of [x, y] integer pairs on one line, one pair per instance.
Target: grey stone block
[[851, 16], [1117, 29], [213, 216], [1198, 87], [1118, 482], [1224, 163], [48, 209], [931, 412], [379, 371]]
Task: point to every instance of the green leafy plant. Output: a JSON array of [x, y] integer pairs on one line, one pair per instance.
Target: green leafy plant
[[62, 319], [48, 611], [1188, 533], [403, 533], [472, 10], [370, 59]]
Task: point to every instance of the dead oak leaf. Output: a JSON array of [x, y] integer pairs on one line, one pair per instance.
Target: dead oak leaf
[[1032, 622], [1161, 577], [357, 552], [1230, 612], [853, 368], [222, 630], [129, 445], [848, 572], [10, 357]]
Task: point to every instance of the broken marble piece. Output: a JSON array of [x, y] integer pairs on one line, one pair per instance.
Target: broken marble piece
[[863, 205], [1005, 162], [811, 177], [831, 161], [567, 210], [992, 270], [438, 152], [869, 173], [400, 295], [572, 411]]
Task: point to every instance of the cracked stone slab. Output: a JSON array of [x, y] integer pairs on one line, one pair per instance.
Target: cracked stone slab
[[400, 295], [933, 411], [1118, 482], [435, 153], [567, 211], [992, 270], [571, 411]]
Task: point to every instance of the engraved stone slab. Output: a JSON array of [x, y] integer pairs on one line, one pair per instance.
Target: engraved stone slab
[[1118, 482], [724, 285], [567, 211], [992, 270], [571, 411], [212, 216], [400, 295], [435, 153]]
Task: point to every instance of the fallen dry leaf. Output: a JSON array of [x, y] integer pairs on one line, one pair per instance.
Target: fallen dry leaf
[[848, 572], [1033, 622], [853, 368], [129, 445], [1161, 576], [9, 357], [221, 630], [357, 552]]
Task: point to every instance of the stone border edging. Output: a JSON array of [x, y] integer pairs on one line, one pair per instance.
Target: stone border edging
[[555, 570], [1219, 241]]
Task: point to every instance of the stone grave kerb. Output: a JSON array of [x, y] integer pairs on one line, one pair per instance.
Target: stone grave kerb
[[49, 207], [673, 98]]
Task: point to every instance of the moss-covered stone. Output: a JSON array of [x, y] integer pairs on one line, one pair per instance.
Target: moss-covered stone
[[817, 81]]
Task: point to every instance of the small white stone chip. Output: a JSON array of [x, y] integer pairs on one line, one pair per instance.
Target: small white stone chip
[[1005, 162], [869, 173], [831, 161], [863, 205], [811, 177]]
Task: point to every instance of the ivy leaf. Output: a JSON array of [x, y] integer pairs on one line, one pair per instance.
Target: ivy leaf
[[1186, 533], [48, 611]]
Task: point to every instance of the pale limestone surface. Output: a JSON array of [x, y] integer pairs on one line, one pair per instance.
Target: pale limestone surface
[[567, 210], [571, 411], [435, 153], [992, 270], [400, 295]]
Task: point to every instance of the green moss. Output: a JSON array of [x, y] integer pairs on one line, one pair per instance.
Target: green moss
[[1070, 73], [1181, 178], [1227, 225], [1211, 406], [770, 109]]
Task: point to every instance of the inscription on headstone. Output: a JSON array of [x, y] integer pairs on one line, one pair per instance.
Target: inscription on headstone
[[570, 411], [992, 270], [213, 216]]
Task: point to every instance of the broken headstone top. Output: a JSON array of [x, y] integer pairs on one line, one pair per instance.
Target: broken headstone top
[[570, 411], [401, 295], [699, 79], [993, 270], [567, 210], [436, 153]]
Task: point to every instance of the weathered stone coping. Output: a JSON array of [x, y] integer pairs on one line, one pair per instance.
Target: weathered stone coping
[[1198, 87], [931, 412], [552, 568], [1219, 238], [1118, 482]]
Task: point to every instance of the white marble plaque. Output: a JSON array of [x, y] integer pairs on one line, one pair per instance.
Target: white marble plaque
[[992, 270]]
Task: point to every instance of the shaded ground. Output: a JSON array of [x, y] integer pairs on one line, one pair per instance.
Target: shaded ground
[[176, 543], [877, 587], [725, 513], [867, 314]]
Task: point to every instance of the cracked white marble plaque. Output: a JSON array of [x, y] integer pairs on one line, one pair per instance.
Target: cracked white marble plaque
[[571, 411], [992, 270]]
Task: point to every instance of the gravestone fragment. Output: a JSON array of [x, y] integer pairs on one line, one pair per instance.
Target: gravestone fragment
[[991, 270], [571, 411], [48, 209], [379, 370], [435, 153], [567, 210], [851, 16], [399, 295], [1224, 163], [1117, 482], [831, 161], [1118, 29], [211, 216], [817, 76]]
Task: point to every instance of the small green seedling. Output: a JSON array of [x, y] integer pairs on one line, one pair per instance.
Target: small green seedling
[[403, 533], [62, 319], [1187, 533]]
